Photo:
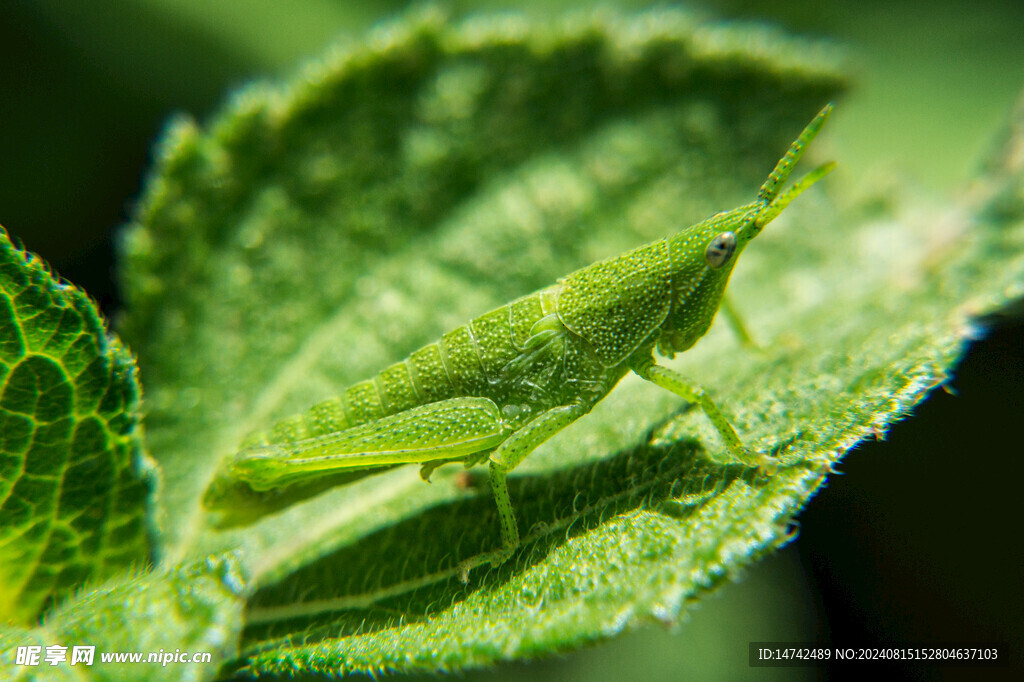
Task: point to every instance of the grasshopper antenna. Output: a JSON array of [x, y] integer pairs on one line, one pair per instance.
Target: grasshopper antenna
[[774, 203], [770, 189]]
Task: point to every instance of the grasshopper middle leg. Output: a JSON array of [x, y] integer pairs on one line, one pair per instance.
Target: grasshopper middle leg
[[504, 459]]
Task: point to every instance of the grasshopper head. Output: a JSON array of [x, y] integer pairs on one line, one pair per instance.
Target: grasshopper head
[[703, 255]]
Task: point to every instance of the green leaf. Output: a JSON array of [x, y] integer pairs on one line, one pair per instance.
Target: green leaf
[[74, 482], [316, 232], [195, 608]]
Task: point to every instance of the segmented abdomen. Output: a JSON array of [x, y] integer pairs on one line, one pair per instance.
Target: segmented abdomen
[[467, 361]]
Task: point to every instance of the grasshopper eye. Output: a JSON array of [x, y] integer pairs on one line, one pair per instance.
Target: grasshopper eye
[[720, 249]]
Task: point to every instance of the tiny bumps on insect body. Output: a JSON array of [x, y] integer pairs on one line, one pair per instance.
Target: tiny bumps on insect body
[[493, 390]]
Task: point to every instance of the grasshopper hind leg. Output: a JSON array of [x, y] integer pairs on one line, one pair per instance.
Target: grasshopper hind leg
[[449, 430]]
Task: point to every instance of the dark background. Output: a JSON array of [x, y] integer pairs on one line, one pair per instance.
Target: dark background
[[916, 541]]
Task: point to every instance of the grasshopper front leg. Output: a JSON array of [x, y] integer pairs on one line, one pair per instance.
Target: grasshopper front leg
[[736, 324], [673, 381]]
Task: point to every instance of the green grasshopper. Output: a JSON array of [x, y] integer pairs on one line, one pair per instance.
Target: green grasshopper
[[495, 389]]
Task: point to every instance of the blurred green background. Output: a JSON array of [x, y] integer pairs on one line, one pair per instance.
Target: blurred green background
[[917, 541]]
